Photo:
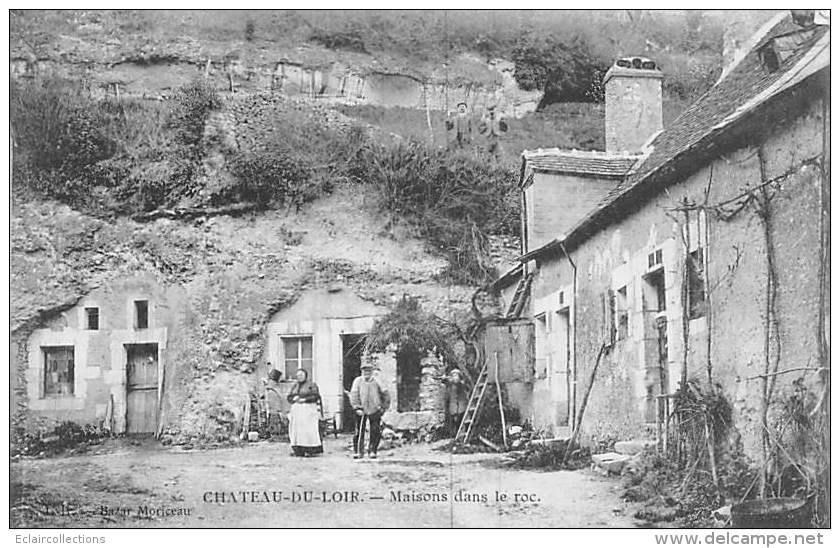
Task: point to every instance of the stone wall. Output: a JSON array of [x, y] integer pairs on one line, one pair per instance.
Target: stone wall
[[735, 328], [99, 355], [555, 202], [431, 412], [324, 315], [633, 107]]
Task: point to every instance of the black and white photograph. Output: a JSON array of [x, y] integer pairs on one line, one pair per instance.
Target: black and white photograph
[[420, 268]]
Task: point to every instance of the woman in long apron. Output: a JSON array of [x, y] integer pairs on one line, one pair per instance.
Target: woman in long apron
[[304, 434]]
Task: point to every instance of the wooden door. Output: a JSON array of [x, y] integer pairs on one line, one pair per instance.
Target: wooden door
[[559, 373], [142, 388]]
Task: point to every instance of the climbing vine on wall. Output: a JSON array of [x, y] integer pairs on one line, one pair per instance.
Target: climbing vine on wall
[[784, 468]]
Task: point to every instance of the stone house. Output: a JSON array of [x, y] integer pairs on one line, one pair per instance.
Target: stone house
[[697, 251], [107, 360], [324, 333], [124, 357]]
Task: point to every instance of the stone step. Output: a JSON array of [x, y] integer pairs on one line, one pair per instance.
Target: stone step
[[633, 447], [609, 463], [553, 443]]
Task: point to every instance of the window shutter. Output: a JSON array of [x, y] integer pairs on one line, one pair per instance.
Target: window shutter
[[608, 316], [604, 318]]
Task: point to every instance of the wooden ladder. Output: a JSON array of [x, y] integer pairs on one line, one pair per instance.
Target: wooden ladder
[[473, 407], [520, 296]]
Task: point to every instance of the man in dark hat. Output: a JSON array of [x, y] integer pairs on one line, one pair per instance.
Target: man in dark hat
[[462, 123], [275, 402], [370, 400]]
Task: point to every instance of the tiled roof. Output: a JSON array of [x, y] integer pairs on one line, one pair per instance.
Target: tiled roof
[[748, 85], [746, 81], [508, 278], [593, 164]]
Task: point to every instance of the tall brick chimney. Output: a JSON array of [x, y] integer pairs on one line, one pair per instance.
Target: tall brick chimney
[[633, 110]]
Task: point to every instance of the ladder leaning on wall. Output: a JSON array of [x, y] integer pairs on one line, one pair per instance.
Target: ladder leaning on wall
[[517, 306], [474, 405], [520, 297]]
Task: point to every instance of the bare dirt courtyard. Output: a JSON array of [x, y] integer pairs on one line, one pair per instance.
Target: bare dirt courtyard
[[261, 485]]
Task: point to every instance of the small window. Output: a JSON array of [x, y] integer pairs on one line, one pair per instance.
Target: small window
[[92, 318], [769, 57], [297, 354], [696, 285], [141, 314], [59, 370], [621, 313], [655, 258]]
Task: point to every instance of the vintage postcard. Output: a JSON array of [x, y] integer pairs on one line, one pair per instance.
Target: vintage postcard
[[419, 269]]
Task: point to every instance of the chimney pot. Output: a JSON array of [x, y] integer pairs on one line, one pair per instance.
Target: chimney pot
[[633, 109], [803, 18]]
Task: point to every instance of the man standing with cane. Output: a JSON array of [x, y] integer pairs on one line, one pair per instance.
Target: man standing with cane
[[369, 400]]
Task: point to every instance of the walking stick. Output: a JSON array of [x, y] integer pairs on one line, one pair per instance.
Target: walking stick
[[360, 441]]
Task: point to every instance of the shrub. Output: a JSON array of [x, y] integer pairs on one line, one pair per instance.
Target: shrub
[[139, 128], [689, 78], [65, 435], [269, 177], [157, 184], [192, 104], [58, 130], [339, 40], [61, 141], [407, 326], [564, 68], [550, 457], [455, 198]]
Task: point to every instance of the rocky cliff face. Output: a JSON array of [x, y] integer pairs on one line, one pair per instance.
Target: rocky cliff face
[[112, 56], [336, 84], [236, 272]]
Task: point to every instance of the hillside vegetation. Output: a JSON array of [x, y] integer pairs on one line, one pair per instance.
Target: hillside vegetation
[[198, 148], [113, 158], [564, 53]]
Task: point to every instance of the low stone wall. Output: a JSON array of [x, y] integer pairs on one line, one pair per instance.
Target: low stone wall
[[431, 412]]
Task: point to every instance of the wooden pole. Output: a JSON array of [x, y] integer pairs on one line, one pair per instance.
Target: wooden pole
[[159, 432], [583, 404], [710, 444], [501, 405], [428, 114], [659, 420], [109, 415], [446, 61], [667, 424], [246, 416]]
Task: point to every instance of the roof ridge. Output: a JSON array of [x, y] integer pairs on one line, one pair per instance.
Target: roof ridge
[[601, 154], [746, 87], [755, 38]]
